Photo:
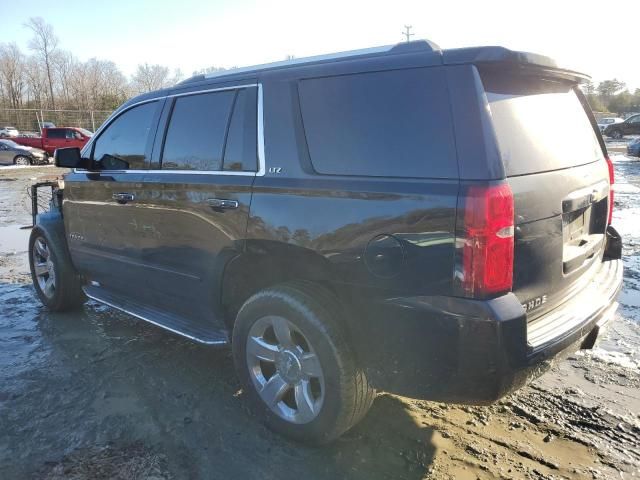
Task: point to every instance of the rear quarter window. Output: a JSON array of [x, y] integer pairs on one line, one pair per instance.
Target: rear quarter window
[[381, 124]]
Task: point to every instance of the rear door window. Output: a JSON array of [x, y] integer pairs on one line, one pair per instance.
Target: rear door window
[[240, 153], [382, 124], [540, 124], [56, 133], [196, 133]]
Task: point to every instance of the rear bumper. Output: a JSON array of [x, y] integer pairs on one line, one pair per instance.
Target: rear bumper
[[471, 351]]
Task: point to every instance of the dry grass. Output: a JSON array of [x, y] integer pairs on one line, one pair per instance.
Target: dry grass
[[133, 462]]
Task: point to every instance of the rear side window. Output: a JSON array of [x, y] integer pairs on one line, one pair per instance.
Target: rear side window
[[384, 124], [196, 133], [56, 133], [240, 153], [126, 138], [540, 125]]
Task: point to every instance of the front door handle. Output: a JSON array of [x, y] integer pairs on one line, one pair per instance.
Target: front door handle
[[123, 198], [222, 203]]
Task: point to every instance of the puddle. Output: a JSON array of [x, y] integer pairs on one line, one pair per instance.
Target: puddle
[[14, 240]]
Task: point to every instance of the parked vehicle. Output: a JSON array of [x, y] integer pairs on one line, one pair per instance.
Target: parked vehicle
[[605, 122], [631, 126], [397, 218], [8, 132], [633, 147], [13, 154], [52, 138]]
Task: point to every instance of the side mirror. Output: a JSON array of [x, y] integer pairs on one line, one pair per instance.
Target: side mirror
[[68, 158]]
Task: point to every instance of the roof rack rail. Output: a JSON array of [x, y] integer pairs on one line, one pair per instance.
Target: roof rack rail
[[405, 47]]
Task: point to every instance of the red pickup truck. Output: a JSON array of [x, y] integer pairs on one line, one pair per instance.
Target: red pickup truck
[[59, 137]]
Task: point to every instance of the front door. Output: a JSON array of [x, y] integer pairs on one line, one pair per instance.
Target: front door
[[102, 221], [197, 200]]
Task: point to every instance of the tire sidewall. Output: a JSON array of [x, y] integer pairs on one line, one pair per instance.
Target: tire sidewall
[[308, 320]]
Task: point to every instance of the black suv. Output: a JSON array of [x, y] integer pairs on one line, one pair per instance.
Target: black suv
[[400, 218], [631, 126]]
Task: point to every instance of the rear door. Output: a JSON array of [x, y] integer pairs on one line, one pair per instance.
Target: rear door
[[560, 182], [196, 200]]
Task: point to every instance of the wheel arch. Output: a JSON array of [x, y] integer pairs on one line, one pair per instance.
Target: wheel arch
[[265, 263]]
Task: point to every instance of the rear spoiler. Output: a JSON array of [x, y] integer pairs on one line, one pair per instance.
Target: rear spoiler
[[501, 58]]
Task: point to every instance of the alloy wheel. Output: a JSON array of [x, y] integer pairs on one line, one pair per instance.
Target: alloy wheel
[[22, 160], [285, 369], [43, 267]]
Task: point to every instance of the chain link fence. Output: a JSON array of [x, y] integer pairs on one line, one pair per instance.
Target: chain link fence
[[30, 120]]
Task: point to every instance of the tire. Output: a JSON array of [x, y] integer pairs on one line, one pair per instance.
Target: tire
[[616, 134], [336, 394], [21, 160], [54, 278]]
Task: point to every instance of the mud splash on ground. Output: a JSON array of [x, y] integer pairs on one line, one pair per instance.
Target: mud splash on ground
[[98, 394]]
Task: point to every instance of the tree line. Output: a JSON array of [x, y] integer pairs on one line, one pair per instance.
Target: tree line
[[612, 96], [49, 77]]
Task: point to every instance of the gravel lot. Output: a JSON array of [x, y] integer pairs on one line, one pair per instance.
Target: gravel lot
[[99, 394]]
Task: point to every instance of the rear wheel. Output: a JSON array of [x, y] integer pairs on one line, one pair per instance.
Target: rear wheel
[[54, 278], [294, 362], [617, 134], [21, 160]]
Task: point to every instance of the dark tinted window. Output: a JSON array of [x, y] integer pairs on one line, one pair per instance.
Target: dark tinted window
[[394, 124], [197, 128], [125, 139], [520, 110], [240, 152], [56, 133]]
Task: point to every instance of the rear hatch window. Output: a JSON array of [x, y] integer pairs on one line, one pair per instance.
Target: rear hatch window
[[540, 124]]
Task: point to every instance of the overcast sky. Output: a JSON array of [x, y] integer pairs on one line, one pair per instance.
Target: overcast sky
[[193, 34]]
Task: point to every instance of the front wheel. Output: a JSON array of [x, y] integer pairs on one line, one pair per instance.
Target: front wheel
[[54, 278], [21, 160], [293, 360]]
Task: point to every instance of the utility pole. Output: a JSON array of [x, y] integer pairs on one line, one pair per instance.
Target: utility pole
[[407, 32]]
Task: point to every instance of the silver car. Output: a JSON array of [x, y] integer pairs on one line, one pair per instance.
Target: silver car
[[7, 132], [13, 154]]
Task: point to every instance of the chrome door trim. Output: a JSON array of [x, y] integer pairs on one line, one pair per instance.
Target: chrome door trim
[[260, 135]]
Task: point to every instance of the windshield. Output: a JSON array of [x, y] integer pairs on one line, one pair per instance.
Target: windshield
[[10, 143], [528, 143], [84, 132]]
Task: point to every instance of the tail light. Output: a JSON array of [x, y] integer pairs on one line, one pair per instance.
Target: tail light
[[611, 182], [487, 257]]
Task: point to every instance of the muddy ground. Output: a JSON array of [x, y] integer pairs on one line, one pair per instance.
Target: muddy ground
[[99, 394]]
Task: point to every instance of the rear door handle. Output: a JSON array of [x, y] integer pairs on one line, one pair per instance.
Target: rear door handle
[[123, 198], [222, 203]]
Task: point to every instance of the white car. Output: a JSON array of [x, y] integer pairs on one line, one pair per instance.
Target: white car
[[605, 122], [9, 132]]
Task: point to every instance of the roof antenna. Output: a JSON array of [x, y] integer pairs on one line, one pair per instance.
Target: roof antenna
[[407, 32]]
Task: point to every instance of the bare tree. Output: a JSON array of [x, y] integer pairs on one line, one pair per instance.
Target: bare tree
[[64, 65], [44, 44], [36, 80], [12, 66], [151, 77]]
